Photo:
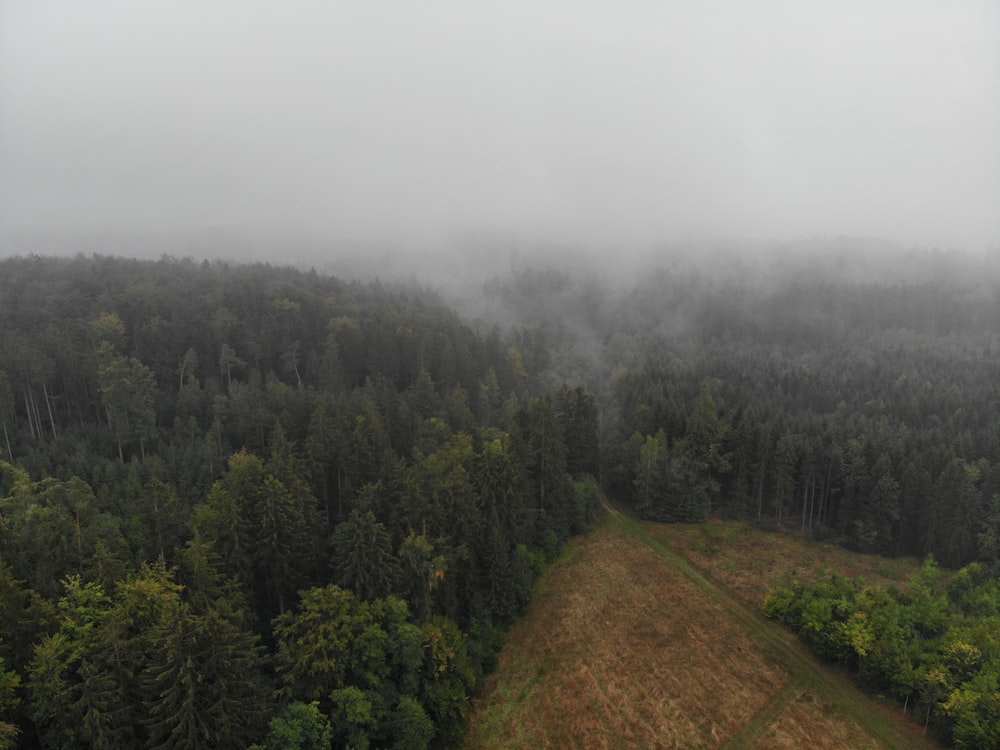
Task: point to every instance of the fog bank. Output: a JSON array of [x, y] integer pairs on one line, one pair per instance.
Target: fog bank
[[582, 123]]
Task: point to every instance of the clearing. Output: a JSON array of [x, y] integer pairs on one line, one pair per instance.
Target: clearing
[[630, 643]]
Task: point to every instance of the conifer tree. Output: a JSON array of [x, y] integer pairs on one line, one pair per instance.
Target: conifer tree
[[204, 685], [363, 556]]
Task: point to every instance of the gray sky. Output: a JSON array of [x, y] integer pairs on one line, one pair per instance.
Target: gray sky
[[577, 121]]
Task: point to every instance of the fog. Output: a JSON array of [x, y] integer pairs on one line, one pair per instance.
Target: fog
[[360, 128]]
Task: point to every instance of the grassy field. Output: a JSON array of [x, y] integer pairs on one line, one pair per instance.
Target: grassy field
[[749, 562], [646, 635]]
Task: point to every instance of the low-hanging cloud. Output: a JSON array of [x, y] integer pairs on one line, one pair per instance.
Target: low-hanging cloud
[[591, 122]]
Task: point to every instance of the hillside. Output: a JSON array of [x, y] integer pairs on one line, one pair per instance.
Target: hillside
[[629, 643]]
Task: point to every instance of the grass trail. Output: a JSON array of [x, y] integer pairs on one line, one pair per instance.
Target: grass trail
[[781, 646], [628, 643], [765, 718]]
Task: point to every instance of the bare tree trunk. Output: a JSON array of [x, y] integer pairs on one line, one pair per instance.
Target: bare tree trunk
[[10, 453], [340, 496], [541, 482], [79, 539], [760, 498], [88, 403], [118, 440], [27, 408], [805, 502], [825, 502], [38, 417], [66, 396], [48, 405], [812, 503]]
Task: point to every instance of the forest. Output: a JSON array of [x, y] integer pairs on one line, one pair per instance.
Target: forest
[[249, 505]]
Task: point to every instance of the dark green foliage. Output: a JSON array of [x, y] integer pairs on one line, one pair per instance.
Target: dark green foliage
[[543, 449], [128, 393], [56, 528], [577, 413], [810, 401], [412, 728], [161, 521], [10, 681], [265, 530], [300, 726], [447, 678], [188, 447], [652, 478], [363, 557], [312, 642], [421, 569], [382, 679], [499, 484], [143, 666], [204, 683]]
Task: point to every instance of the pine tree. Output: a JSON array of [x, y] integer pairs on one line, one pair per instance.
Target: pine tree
[[363, 556], [499, 480], [281, 543], [577, 412], [74, 695], [204, 686], [546, 467], [651, 479], [421, 570]]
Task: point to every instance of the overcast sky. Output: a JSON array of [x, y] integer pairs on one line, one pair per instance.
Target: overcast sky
[[578, 121]]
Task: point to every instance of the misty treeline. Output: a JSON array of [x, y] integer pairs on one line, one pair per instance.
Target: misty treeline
[[258, 505], [798, 395], [791, 392]]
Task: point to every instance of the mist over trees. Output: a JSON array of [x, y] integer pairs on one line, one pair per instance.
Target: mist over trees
[[253, 502], [839, 396], [824, 391]]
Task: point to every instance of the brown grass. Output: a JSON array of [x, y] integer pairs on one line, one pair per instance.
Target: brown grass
[[623, 648], [808, 722], [620, 650], [749, 562]]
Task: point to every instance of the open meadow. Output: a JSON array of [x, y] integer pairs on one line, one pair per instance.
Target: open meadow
[[648, 635]]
